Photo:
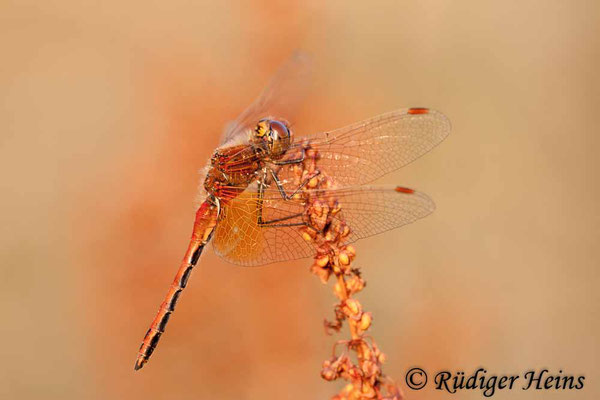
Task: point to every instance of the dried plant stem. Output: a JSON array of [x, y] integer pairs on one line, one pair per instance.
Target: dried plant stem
[[360, 361]]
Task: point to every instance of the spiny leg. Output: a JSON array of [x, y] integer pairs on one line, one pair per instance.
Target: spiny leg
[[259, 206], [299, 188], [293, 161], [287, 197], [261, 189], [273, 222]]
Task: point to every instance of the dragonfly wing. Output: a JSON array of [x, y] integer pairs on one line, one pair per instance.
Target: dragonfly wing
[[368, 210], [371, 210], [281, 98], [364, 151], [240, 239]]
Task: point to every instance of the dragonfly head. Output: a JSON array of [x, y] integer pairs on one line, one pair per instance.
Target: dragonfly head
[[272, 137]]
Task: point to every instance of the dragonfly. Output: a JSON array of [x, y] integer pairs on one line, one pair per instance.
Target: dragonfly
[[252, 212]]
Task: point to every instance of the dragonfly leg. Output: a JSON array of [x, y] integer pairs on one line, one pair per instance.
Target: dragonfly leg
[[274, 222], [268, 225], [294, 161], [282, 189]]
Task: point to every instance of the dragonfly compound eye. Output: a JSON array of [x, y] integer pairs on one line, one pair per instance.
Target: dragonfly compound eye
[[279, 138]]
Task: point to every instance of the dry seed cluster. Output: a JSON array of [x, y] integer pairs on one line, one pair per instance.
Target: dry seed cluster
[[360, 361]]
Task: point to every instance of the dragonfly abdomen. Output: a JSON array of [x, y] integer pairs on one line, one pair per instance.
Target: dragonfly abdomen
[[162, 318], [203, 227]]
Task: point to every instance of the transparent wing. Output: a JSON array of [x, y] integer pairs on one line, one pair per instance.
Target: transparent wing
[[239, 239], [367, 210], [282, 96], [364, 151]]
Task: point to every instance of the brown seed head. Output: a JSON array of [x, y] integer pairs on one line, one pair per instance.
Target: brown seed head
[[353, 307], [365, 321], [328, 374], [330, 236], [306, 236], [344, 259], [368, 392], [355, 284], [350, 250], [323, 261]]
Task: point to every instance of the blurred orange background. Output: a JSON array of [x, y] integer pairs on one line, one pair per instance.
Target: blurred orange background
[[108, 110]]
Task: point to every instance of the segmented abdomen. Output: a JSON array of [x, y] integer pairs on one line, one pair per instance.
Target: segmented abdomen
[[203, 227]]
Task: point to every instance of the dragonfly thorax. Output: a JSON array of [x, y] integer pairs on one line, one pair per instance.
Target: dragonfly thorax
[[231, 170]]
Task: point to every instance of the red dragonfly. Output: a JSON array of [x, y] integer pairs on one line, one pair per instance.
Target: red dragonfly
[[252, 211]]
